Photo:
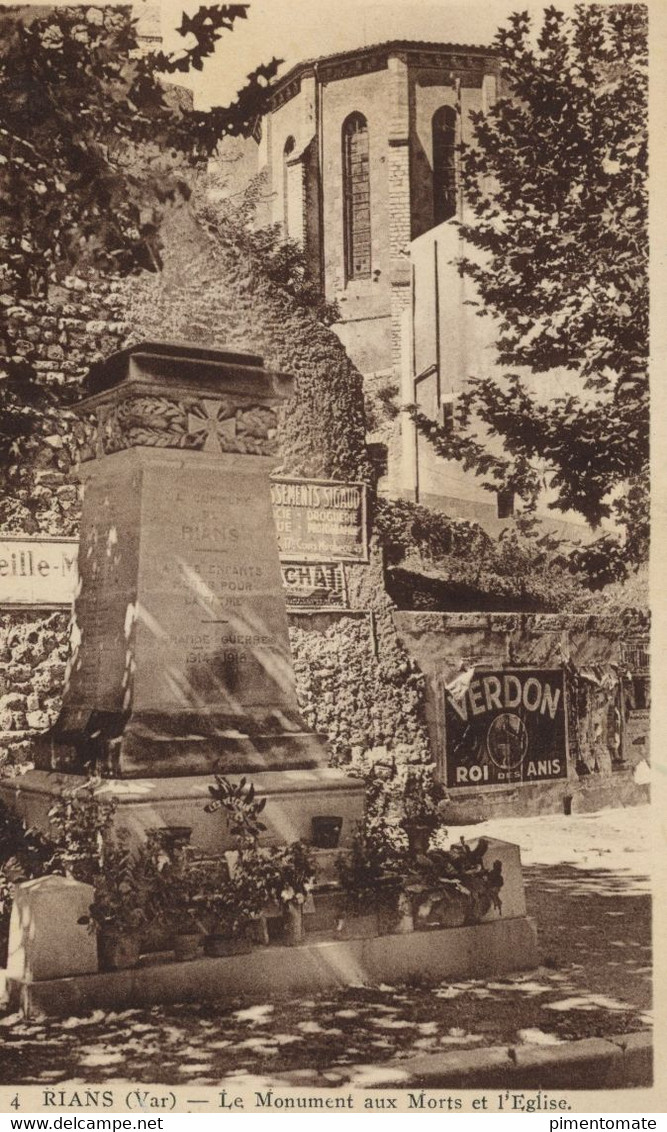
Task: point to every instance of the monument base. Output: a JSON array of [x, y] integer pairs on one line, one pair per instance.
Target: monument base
[[493, 948], [293, 797], [174, 744]]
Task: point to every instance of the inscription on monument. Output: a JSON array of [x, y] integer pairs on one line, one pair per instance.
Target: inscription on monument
[[213, 613]]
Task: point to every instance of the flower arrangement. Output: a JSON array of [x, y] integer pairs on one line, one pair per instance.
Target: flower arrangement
[[289, 872], [282, 873], [241, 808], [369, 873], [180, 891], [233, 895]]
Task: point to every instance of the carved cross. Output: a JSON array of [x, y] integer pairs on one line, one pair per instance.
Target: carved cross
[[207, 420]]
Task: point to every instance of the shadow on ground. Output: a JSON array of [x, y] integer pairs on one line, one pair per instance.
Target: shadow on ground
[[594, 931]]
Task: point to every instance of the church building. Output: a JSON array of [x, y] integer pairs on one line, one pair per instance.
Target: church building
[[359, 154]]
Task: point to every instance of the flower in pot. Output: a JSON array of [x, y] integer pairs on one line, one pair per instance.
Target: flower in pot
[[181, 898], [123, 905], [289, 875], [369, 874]]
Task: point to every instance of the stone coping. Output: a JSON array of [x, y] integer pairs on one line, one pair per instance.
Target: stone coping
[[270, 971], [180, 788]]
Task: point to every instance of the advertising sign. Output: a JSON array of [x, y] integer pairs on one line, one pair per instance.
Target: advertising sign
[[37, 571], [318, 520], [505, 726], [314, 585]]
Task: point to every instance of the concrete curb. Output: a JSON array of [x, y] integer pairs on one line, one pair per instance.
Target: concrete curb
[[619, 1062]]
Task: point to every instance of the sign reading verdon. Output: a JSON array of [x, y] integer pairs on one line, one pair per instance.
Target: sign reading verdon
[[505, 725], [318, 520]]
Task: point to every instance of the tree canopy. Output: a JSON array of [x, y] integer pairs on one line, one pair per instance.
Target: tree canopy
[[555, 186], [94, 143]]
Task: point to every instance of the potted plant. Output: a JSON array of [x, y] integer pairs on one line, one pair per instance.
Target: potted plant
[[453, 887], [235, 895], [370, 877], [80, 826], [123, 905], [422, 796], [181, 898], [362, 875], [289, 876]]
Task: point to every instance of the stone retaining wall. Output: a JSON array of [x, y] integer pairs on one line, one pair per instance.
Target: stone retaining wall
[[33, 652]]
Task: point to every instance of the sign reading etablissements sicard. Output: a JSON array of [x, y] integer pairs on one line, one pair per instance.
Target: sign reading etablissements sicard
[[320, 520], [505, 726], [37, 571]]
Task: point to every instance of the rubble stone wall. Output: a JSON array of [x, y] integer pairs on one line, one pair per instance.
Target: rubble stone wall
[[33, 653]]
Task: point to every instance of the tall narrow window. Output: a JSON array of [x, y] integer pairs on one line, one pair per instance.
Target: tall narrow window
[[287, 152], [444, 164], [505, 503], [356, 198]]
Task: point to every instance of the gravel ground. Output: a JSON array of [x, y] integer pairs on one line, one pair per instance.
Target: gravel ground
[[587, 887]]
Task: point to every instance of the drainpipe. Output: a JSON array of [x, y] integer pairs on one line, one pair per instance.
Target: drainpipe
[[319, 117]]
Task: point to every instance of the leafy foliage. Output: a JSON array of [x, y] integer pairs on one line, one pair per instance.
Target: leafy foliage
[[434, 877], [441, 877], [24, 855], [556, 191], [78, 824], [525, 564], [289, 872], [402, 527], [92, 137], [94, 146], [126, 890], [283, 260], [233, 898]]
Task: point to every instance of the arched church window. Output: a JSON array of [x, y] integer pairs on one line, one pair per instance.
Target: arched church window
[[356, 198], [444, 164], [288, 150]]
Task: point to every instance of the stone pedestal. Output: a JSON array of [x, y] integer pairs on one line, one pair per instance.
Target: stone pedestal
[[181, 664]]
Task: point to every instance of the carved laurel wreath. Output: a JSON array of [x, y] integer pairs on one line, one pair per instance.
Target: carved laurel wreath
[[213, 425]]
